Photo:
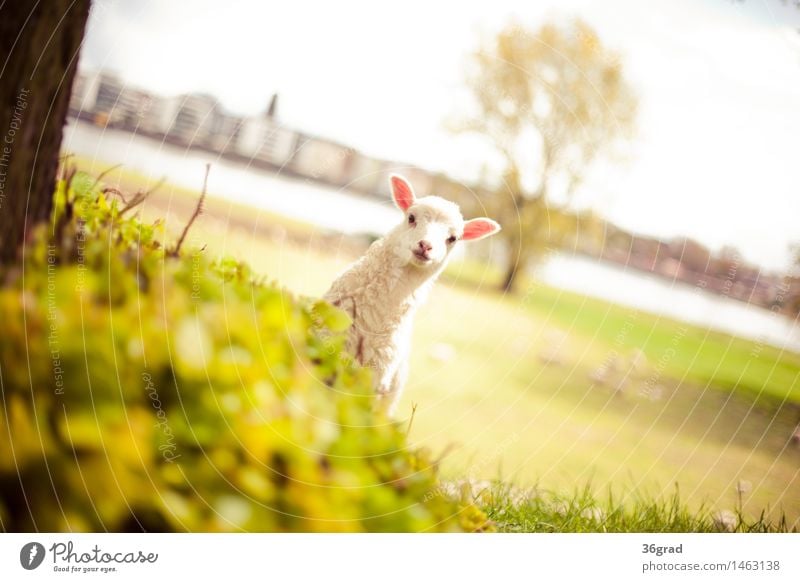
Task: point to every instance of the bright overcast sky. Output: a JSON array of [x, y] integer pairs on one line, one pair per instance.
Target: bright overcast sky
[[716, 155]]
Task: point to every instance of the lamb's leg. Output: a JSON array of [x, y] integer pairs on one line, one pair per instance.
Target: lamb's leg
[[388, 399], [398, 384]]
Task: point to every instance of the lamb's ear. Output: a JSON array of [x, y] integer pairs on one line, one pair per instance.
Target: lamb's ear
[[401, 192], [479, 228]]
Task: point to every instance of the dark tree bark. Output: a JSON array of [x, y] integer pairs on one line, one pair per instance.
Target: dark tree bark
[[510, 278], [515, 258], [528, 236], [39, 46]]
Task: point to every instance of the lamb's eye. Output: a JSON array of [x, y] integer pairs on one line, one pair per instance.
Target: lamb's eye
[[411, 219], [451, 239]]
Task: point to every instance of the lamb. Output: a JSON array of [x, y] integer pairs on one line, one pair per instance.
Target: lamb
[[382, 289]]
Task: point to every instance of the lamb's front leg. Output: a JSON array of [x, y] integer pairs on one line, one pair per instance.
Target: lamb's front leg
[[384, 374], [391, 399], [391, 379]]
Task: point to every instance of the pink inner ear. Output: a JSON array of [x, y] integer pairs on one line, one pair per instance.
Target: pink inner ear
[[478, 228], [402, 192]]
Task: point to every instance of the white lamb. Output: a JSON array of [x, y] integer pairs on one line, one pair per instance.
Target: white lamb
[[382, 289]]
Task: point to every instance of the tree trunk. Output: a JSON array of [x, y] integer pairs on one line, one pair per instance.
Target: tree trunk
[[517, 254], [39, 46], [510, 278], [516, 242], [530, 236]]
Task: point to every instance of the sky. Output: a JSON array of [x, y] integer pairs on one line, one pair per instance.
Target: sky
[[715, 155]]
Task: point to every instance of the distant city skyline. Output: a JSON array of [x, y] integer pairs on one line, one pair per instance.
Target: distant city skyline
[[719, 83]]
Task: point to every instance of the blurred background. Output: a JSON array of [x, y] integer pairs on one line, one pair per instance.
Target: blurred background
[[636, 325]]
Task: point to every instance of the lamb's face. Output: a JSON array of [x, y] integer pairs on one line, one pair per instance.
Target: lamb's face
[[432, 227], [431, 230]]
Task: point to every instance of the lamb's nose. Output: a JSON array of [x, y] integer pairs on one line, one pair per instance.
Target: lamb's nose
[[425, 246]]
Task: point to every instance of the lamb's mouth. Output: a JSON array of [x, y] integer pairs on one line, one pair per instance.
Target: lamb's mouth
[[421, 257]]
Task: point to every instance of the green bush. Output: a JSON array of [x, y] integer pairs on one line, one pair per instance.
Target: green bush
[[146, 391]]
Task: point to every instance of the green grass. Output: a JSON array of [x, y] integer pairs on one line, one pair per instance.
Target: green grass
[[706, 357], [534, 511], [709, 358], [717, 410]]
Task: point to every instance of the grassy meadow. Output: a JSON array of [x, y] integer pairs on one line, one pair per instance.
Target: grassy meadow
[[549, 390]]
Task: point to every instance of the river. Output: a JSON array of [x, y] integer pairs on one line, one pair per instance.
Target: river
[[336, 209]]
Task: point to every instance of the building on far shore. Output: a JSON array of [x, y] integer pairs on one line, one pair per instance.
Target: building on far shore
[[263, 139], [84, 94], [194, 121], [322, 159], [106, 100], [367, 174], [160, 115]]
